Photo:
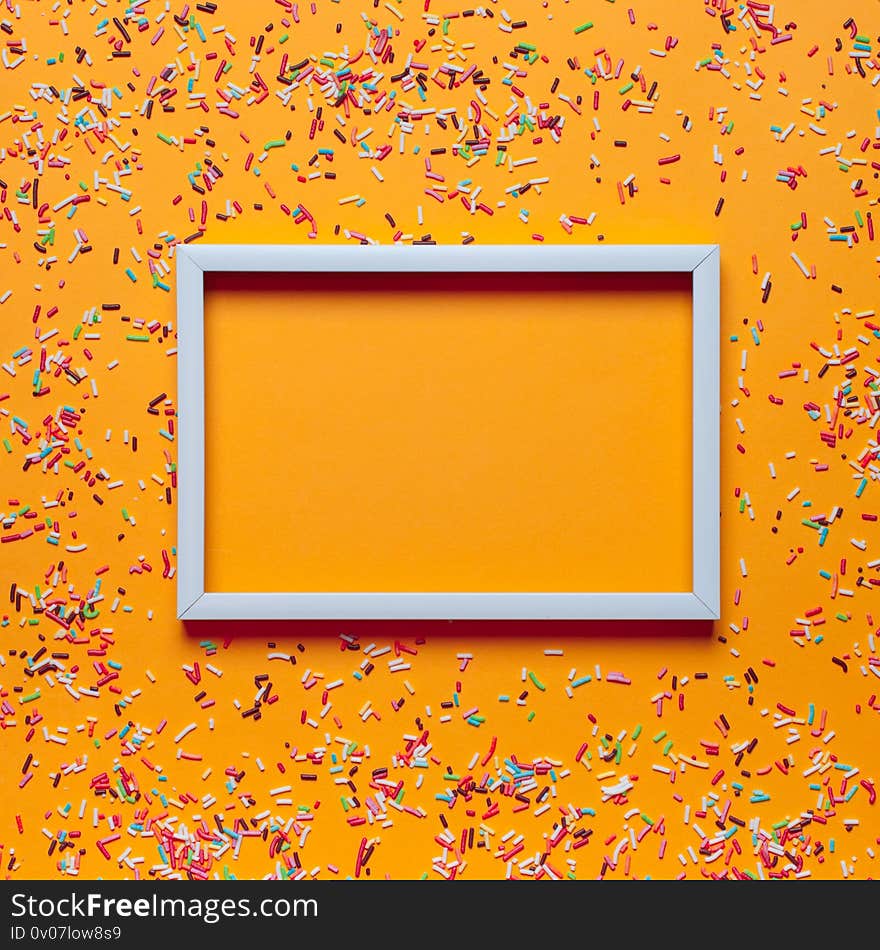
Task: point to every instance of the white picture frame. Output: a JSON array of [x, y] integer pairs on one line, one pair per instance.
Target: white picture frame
[[702, 602]]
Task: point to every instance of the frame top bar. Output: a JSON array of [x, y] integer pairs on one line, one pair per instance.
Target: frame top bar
[[645, 258]]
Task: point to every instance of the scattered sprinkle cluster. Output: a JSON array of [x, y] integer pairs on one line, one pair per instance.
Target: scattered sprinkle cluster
[[133, 747]]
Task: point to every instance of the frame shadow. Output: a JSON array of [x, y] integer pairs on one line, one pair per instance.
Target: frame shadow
[[536, 630]]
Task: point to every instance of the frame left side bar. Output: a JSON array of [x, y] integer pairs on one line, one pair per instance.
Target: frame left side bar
[[191, 432]]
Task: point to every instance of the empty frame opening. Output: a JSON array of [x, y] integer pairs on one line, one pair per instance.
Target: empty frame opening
[[460, 432]]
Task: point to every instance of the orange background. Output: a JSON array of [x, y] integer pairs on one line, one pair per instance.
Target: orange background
[[786, 703], [451, 433]]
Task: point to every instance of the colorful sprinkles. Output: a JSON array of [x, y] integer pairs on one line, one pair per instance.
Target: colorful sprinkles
[[133, 748]]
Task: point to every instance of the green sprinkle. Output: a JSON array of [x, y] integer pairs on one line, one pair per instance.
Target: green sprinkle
[[583, 28], [536, 681]]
